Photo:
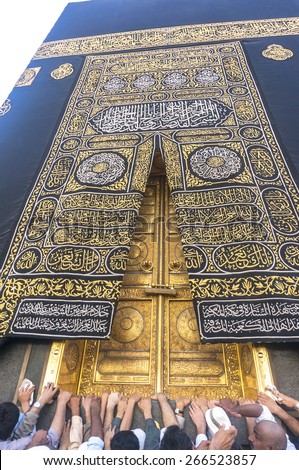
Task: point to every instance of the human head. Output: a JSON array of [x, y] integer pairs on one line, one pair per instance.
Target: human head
[[175, 439], [9, 415], [124, 440], [268, 435]]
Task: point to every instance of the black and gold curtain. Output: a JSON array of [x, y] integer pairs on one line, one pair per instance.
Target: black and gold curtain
[[235, 197]]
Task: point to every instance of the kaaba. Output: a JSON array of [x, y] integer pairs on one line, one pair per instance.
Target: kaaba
[[149, 218]]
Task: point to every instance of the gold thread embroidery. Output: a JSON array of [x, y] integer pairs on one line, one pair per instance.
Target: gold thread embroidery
[[27, 76], [63, 71], [277, 52], [191, 34]]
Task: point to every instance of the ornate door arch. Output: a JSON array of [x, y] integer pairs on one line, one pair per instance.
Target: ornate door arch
[[154, 345]]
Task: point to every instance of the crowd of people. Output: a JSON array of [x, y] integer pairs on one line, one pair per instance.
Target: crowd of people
[[106, 422]]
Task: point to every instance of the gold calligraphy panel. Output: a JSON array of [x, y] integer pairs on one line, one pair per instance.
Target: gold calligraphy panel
[[191, 34], [237, 210], [236, 215], [154, 344], [63, 272]]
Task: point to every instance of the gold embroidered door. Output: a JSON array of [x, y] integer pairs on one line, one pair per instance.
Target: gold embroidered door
[[154, 344]]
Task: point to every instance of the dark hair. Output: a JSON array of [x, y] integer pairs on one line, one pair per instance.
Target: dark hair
[[175, 438], [124, 440], [9, 415]]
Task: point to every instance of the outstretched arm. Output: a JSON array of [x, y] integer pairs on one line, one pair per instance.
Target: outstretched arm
[[128, 415], [251, 410], [96, 422], [24, 397], [111, 404], [59, 416], [168, 415], [198, 418], [223, 439], [290, 421], [285, 400]]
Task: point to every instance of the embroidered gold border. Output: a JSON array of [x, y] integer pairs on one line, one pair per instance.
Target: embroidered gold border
[[169, 36]]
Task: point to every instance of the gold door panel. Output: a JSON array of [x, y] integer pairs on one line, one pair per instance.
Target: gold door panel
[[154, 343]]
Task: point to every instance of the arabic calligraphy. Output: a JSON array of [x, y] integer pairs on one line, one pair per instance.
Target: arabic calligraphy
[[101, 169], [234, 196], [210, 32], [283, 217], [41, 219], [72, 260], [215, 197], [28, 261], [262, 163], [215, 163], [62, 318], [248, 319], [289, 253], [161, 115], [59, 173], [277, 52], [27, 77], [243, 257], [236, 232], [218, 215]]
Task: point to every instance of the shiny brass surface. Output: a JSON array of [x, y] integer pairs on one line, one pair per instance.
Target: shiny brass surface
[[154, 344]]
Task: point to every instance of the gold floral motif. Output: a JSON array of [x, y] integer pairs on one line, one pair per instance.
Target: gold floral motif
[[277, 52], [173, 166], [5, 107], [252, 286], [76, 133], [141, 166], [63, 71], [27, 76]]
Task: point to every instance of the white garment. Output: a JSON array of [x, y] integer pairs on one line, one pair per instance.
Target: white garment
[[267, 415], [93, 443], [200, 438], [140, 434], [181, 424]]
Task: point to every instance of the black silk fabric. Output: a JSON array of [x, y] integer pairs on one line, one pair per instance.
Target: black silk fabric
[[78, 136]]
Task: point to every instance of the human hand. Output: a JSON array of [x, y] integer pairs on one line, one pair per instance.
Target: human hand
[[181, 402], [229, 406], [284, 399], [246, 401], [228, 403], [145, 406], [223, 439], [48, 394], [212, 403], [105, 395], [266, 400], [40, 438], [134, 397], [198, 417], [95, 403], [121, 406], [64, 397], [74, 405], [86, 401], [24, 396], [204, 445], [65, 436], [108, 436], [113, 400], [202, 403], [160, 397]]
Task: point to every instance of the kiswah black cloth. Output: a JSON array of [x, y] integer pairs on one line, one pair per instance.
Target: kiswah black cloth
[[62, 275], [236, 203], [235, 198]]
